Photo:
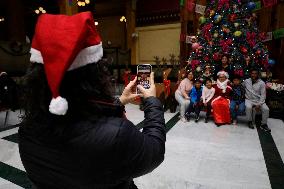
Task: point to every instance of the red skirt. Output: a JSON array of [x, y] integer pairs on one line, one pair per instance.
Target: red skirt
[[221, 110]]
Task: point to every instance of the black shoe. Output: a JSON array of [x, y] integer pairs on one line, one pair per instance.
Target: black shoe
[[187, 116], [250, 125], [265, 128], [196, 118], [206, 120]]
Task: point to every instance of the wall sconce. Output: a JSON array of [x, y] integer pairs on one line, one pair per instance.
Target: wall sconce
[[122, 19], [83, 3], [134, 35], [40, 10]]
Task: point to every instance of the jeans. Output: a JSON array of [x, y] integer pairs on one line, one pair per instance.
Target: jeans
[[250, 115], [193, 108], [182, 102], [234, 112]]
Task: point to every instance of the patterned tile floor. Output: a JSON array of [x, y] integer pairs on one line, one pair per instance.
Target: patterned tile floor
[[198, 156]]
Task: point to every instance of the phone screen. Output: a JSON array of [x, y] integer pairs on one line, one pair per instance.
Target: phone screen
[[143, 76]]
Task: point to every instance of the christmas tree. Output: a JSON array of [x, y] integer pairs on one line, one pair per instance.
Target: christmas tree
[[229, 27]]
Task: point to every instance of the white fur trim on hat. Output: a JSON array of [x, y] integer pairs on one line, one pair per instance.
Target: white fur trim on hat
[[36, 56], [58, 106], [86, 56], [223, 73]]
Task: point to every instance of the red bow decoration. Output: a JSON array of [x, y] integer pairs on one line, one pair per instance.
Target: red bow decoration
[[194, 64], [268, 3], [244, 49], [239, 72], [207, 33], [167, 84], [251, 38], [262, 36], [232, 17], [224, 3], [190, 5], [225, 44]]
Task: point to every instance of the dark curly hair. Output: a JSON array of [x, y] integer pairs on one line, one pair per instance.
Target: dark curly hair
[[91, 82]]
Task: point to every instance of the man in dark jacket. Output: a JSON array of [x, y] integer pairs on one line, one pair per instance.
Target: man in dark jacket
[[89, 144]]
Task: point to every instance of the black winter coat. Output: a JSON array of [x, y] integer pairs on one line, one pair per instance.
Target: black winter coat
[[101, 152]]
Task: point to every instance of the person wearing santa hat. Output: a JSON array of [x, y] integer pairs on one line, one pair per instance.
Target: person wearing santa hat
[[74, 133], [221, 100]]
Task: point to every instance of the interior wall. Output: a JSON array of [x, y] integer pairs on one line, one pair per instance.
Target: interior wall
[[159, 40], [111, 29]]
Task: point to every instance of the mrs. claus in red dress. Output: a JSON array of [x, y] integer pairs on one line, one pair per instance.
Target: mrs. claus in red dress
[[221, 101]]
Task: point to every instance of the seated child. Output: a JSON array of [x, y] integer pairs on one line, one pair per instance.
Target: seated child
[[237, 105], [207, 96], [195, 101]]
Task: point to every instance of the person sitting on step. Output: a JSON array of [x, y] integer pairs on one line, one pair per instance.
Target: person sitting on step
[[195, 101], [255, 98], [237, 104], [207, 96]]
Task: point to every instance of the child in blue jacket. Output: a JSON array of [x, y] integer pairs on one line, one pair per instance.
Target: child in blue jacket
[[195, 101]]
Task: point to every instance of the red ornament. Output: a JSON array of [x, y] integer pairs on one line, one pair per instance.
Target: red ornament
[[206, 58], [244, 50], [232, 17], [262, 36], [216, 57], [258, 52]]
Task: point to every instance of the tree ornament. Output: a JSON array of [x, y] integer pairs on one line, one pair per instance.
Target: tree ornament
[[217, 18], [195, 46], [251, 5], [232, 17], [225, 29], [254, 15], [271, 62], [202, 20], [216, 56], [236, 24], [198, 69], [206, 58], [237, 33], [258, 52], [212, 12], [215, 34], [244, 50]]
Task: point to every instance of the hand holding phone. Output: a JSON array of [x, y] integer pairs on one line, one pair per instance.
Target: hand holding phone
[[148, 92], [143, 76]]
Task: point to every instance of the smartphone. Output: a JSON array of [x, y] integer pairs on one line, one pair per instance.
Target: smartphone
[[143, 76]]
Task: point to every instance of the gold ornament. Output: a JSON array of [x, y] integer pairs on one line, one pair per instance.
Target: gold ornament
[[237, 33]]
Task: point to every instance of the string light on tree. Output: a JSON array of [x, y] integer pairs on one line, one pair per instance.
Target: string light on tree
[[229, 27]]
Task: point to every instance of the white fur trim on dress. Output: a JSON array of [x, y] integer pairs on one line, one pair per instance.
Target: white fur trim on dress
[[86, 56], [58, 106]]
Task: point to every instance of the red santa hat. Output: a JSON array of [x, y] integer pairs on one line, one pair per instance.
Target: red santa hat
[[63, 43]]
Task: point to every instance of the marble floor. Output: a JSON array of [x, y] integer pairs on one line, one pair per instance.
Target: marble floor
[[198, 156]]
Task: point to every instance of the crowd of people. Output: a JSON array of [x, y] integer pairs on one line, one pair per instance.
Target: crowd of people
[[225, 98]]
